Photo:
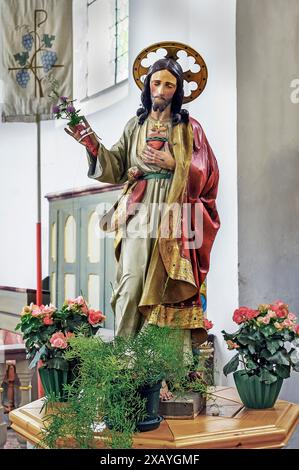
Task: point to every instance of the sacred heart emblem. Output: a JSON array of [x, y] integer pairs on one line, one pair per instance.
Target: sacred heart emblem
[[156, 141]]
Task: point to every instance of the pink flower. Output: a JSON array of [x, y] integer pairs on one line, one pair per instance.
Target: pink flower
[[95, 317], [297, 330], [287, 323], [69, 335], [208, 324], [281, 309], [77, 301], [244, 314], [84, 309], [58, 340], [47, 320], [49, 309], [271, 314], [265, 320], [36, 310], [292, 316], [231, 344]]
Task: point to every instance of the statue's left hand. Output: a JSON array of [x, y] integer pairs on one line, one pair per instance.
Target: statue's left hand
[[161, 158]]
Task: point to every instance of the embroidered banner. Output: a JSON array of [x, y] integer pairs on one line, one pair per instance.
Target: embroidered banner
[[36, 37]]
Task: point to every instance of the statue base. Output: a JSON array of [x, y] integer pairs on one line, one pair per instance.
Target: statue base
[[182, 407]]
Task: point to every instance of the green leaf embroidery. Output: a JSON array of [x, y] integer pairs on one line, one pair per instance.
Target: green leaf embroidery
[[21, 58], [48, 40]]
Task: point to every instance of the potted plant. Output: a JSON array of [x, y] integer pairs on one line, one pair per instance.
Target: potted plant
[[47, 331], [266, 348], [116, 392]]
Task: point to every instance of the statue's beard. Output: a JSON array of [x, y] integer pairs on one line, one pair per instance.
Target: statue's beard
[[159, 104]]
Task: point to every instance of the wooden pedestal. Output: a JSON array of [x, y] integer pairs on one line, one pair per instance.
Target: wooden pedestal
[[224, 424]]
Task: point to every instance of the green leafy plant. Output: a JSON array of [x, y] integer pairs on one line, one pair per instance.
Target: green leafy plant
[[47, 330], [266, 342], [106, 393]]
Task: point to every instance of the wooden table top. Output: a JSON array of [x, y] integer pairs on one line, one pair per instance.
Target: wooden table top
[[234, 427]]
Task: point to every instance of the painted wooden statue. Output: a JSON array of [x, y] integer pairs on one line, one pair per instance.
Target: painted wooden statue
[[165, 160]]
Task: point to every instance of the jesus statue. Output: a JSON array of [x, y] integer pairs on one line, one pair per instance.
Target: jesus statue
[[165, 160]]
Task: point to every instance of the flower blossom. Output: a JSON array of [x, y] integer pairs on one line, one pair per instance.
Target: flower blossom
[[291, 316], [244, 314], [231, 344], [266, 320], [70, 109], [281, 309], [208, 324], [288, 324], [263, 307], [36, 311], [271, 314], [77, 301], [26, 310], [58, 340], [48, 309], [69, 335], [95, 317], [48, 320]]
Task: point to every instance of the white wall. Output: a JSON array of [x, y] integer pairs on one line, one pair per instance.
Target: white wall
[[212, 33], [209, 27]]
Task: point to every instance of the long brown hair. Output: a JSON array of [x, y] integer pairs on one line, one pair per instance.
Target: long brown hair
[[178, 114]]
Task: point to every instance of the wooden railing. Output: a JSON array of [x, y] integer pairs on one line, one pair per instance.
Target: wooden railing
[[12, 301], [15, 378], [18, 385]]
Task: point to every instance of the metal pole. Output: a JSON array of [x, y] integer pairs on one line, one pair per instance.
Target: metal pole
[[39, 299], [39, 295]]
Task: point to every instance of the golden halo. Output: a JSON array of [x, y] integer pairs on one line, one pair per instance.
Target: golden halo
[[194, 67]]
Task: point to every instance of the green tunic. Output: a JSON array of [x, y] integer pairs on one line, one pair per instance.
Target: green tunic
[[111, 166]]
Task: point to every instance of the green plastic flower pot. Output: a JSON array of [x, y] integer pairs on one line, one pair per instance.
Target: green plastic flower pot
[[152, 395], [53, 381], [256, 394]]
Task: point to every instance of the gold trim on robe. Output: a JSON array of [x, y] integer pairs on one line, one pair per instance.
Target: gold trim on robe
[[170, 278]]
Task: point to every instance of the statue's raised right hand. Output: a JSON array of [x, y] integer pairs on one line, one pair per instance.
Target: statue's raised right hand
[[84, 134]]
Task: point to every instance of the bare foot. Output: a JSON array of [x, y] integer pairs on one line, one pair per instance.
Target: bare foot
[[165, 394]]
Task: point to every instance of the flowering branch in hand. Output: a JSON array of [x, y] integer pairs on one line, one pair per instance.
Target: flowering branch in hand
[[66, 110]]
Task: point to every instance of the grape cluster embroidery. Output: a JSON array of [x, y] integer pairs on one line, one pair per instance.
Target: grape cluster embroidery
[[36, 59]]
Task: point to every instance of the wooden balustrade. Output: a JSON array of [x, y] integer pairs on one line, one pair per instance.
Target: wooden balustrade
[[16, 376]]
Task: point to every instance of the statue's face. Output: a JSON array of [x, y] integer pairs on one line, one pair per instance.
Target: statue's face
[[163, 86]]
